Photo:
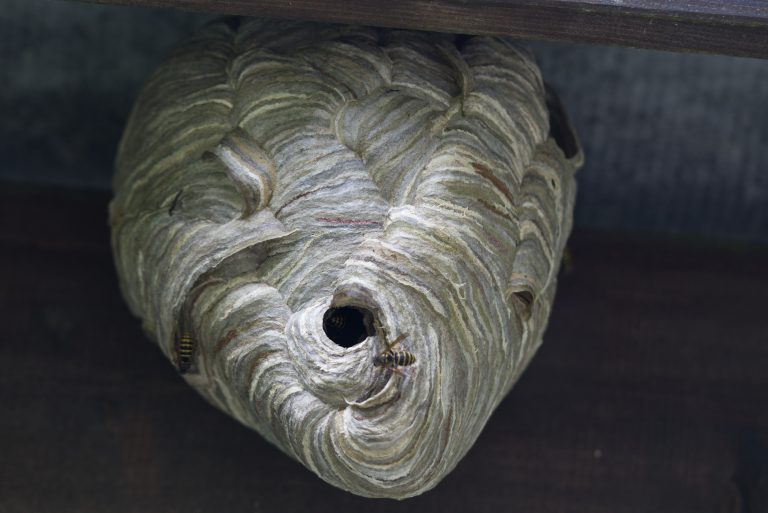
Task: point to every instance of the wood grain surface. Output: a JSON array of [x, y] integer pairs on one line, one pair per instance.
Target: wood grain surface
[[735, 27], [648, 395]]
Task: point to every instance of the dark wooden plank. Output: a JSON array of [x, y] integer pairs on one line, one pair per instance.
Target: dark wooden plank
[[735, 27], [649, 393]]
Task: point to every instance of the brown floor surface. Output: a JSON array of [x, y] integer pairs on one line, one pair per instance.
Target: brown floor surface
[[650, 393]]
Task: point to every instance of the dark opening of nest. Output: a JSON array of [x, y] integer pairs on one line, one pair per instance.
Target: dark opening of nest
[[559, 127], [347, 325]]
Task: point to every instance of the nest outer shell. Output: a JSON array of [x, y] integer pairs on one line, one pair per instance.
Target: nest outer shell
[[273, 170]]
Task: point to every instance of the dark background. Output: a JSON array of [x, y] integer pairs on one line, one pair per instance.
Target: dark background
[[649, 395]]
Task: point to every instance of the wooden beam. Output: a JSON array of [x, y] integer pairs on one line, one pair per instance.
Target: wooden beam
[[733, 27]]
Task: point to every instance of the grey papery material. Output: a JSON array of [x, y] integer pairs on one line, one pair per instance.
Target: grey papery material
[[273, 170]]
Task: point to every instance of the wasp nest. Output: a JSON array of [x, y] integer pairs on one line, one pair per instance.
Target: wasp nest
[[291, 199]]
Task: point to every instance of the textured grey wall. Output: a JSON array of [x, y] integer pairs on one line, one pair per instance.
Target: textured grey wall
[[675, 143]]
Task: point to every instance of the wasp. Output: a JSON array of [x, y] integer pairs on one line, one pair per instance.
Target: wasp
[[392, 359], [337, 321], [184, 349]]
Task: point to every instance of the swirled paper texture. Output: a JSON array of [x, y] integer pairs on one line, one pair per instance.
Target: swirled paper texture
[[272, 171]]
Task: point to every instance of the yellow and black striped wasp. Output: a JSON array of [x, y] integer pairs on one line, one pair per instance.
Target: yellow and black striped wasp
[[392, 360], [185, 348]]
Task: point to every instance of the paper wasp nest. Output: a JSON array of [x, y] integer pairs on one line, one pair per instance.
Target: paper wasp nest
[[291, 197]]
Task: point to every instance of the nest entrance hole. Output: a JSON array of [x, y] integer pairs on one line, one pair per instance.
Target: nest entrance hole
[[347, 326]]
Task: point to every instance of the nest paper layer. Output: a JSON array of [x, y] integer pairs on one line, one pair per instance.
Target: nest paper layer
[[273, 171]]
